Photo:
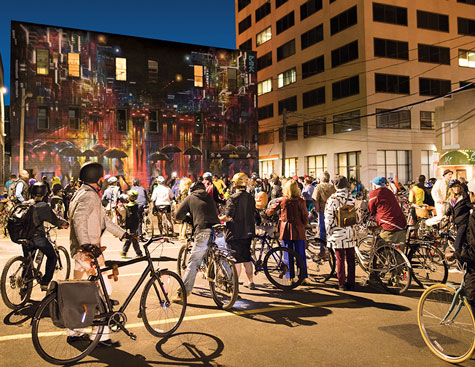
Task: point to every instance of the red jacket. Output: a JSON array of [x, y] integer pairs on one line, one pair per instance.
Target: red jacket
[[293, 218], [386, 210]]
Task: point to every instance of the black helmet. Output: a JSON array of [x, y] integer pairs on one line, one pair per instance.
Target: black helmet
[[38, 189], [452, 183], [197, 186], [136, 182], [91, 172]]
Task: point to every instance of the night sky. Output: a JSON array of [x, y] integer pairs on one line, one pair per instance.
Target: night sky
[[205, 22]]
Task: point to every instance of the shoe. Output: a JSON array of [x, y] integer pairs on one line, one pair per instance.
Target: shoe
[[109, 343], [340, 287], [77, 339], [177, 298], [123, 255], [138, 256], [252, 286], [348, 287], [44, 287], [306, 282]]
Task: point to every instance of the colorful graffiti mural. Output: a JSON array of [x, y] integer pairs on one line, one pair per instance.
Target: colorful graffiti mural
[[141, 107]]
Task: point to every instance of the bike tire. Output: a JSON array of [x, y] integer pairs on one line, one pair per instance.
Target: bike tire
[[63, 265], [320, 268], [442, 337], [276, 268], [51, 342], [393, 269], [428, 265], [182, 259], [160, 315], [15, 291], [224, 285]]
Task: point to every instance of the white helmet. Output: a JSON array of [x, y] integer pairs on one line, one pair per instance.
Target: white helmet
[[207, 175], [160, 179], [112, 179]]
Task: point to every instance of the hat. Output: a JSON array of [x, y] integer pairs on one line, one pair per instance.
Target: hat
[[379, 181], [447, 171], [340, 182], [296, 178]]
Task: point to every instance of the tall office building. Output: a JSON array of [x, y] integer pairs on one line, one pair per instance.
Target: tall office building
[[341, 67]]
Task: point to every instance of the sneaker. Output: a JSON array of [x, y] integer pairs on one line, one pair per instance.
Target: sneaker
[[109, 343], [138, 256], [77, 338], [123, 255], [177, 298], [252, 286]]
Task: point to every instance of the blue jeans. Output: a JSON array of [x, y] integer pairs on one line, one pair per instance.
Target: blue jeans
[[299, 247], [323, 232], [202, 239], [42, 244]]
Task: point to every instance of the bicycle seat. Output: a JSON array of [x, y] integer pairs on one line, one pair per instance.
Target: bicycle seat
[[162, 207]]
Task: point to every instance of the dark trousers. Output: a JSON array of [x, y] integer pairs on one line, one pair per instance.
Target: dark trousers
[[42, 244], [135, 243], [349, 254], [299, 247], [141, 210], [461, 237]]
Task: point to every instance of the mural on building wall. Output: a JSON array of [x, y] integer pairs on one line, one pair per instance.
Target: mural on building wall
[[141, 107]]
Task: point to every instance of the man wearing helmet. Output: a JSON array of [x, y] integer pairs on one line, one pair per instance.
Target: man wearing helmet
[[142, 201], [111, 195], [162, 195]]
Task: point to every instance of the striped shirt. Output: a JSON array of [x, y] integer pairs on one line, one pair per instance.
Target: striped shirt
[[338, 237]]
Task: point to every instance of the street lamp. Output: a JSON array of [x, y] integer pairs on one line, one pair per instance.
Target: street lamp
[[22, 127]]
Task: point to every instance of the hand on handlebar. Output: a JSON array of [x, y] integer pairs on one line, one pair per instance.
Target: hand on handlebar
[[92, 250]]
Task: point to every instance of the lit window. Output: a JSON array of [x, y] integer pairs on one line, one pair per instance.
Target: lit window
[[73, 64], [121, 68], [198, 75], [42, 62], [152, 71], [264, 36], [467, 58], [450, 135], [286, 78], [291, 167], [264, 87]]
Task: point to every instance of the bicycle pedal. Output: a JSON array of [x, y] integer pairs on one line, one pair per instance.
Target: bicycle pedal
[[133, 336]]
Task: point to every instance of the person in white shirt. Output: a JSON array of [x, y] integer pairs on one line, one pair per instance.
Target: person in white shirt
[[439, 194], [162, 195]]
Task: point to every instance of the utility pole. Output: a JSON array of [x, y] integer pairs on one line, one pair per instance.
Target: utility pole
[[284, 139]]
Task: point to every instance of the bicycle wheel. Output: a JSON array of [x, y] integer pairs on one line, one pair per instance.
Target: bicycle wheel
[[393, 269], [62, 270], [182, 259], [52, 342], [15, 290], [428, 265], [320, 267], [160, 315], [284, 268], [224, 284], [148, 226], [450, 337]]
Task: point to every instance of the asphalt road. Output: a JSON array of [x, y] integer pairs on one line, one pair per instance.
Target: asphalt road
[[314, 325]]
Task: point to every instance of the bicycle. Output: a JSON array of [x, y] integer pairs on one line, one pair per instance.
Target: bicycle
[[165, 225], [160, 316], [19, 273], [4, 216], [147, 223], [384, 262], [446, 321], [217, 267], [321, 260]]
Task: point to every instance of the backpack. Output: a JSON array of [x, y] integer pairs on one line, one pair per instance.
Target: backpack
[[22, 222], [11, 195], [346, 215]]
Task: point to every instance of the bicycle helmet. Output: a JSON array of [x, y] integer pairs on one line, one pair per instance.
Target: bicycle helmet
[[197, 186], [133, 195], [240, 179], [38, 189], [207, 175], [112, 179], [160, 179], [91, 172], [428, 184], [453, 183]]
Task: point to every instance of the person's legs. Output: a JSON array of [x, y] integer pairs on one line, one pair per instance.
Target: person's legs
[[323, 233], [46, 247], [138, 250], [125, 249], [340, 266], [351, 264], [249, 271], [300, 249], [198, 251], [288, 259]]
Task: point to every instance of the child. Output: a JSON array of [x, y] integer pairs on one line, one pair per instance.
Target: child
[[132, 219]]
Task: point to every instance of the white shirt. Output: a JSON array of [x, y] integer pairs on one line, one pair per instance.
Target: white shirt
[[162, 195]]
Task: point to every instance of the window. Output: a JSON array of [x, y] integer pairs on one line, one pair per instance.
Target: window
[[42, 122], [345, 54], [433, 87], [232, 80], [470, 2], [395, 164], [311, 37], [344, 122], [346, 87], [198, 75], [285, 23], [310, 7], [466, 26], [246, 45], [152, 66], [265, 112], [427, 163], [264, 87], [121, 68], [264, 36], [316, 164], [343, 20], [73, 118], [242, 4], [42, 62], [349, 165], [286, 78], [290, 104], [153, 121], [286, 50], [432, 21], [467, 58], [244, 24], [264, 61], [393, 120], [434, 54], [427, 120], [291, 167], [279, 3], [292, 132], [122, 120], [388, 83], [316, 127], [262, 11], [450, 135], [266, 168], [389, 14], [313, 67], [467, 85], [73, 64], [313, 97], [266, 137], [391, 49]]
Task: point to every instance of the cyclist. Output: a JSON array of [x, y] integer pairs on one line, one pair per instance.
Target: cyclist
[[142, 201], [459, 210], [320, 196], [18, 191], [39, 241], [204, 216], [132, 221], [439, 194], [162, 196], [112, 193]]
